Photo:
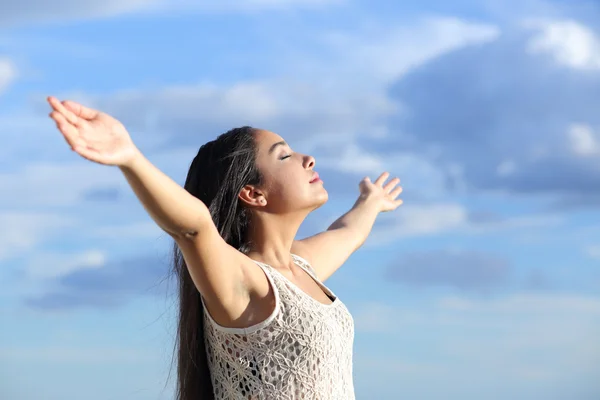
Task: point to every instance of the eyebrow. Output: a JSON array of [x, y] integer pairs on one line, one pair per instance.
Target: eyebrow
[[274, 146]]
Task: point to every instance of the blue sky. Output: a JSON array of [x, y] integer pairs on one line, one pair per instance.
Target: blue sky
[[485, 284]]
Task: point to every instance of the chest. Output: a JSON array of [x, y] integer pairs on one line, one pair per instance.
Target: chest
[[298, 290]]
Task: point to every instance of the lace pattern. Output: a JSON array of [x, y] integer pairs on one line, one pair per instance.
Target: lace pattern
[[303, 350]]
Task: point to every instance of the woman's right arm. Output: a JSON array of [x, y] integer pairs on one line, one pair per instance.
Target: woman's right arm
[[216, 268], [172, 207]]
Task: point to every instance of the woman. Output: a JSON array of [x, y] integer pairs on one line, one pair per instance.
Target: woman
[[255, 320]]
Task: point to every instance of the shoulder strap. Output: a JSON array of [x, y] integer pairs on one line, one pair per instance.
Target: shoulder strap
[[305, 264]]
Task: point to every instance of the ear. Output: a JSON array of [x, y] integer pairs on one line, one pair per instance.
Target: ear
[[252, 196]]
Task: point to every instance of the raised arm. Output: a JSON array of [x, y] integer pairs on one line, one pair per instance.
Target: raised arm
[[215, 267], [327, 251]]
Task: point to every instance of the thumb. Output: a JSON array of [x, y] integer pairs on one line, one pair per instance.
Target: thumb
[[365, 182]]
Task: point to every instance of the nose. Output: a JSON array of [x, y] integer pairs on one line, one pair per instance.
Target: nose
[[309, 162]]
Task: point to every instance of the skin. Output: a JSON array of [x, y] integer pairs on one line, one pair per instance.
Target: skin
[[236, 290], [284, 200]]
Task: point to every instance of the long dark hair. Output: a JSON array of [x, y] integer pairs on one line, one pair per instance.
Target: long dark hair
[[219, 171]]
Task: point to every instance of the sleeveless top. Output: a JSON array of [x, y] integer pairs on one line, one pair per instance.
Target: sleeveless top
[[303, 350]]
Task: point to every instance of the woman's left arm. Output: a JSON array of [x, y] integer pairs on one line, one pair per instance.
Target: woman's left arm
[[327, 251]]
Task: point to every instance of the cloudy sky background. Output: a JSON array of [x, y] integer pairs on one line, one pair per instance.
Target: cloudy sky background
[[486, 284]]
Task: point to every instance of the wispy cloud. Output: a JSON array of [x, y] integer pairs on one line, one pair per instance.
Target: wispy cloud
[[584, 141], [64, 10], [8, 73], [22, 232], [568, 42], [428, 219], [54, 184], [51, 265], [388, 52], [36, 11], [505, 127], [189, 114], [107, 285]]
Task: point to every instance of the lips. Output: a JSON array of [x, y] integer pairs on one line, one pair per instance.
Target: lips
[[314, 178]]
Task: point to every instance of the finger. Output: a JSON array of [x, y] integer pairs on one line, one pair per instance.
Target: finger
[[396, 192], [69, 131], [58, 106], [89, 154], [80, 110], [382, 178], [398, 202], [388, 186]]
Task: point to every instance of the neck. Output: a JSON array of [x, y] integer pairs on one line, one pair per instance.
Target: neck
[[272, 237]]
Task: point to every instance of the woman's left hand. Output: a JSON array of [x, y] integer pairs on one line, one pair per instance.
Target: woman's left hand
[[383, 196]]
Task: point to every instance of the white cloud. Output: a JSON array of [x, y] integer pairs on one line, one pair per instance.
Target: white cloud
[[415, 171], [444, 117], [418, 220], [568, 42], [316, 114], [583, 140], [387, 53], [427, 219], [53, 184], [330, 112], [245, 99], [8, 73], [438, 218], [353, 159], [50, 265], [22, 231]]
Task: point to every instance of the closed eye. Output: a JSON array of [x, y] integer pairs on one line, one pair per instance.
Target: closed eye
[[284, 157]]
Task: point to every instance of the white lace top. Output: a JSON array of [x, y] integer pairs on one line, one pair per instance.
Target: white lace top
[[303, 350]]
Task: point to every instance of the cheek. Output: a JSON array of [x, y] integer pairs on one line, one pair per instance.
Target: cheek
[[275, 184], [288, 184]]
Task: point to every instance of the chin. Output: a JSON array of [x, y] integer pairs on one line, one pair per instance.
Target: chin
[[321, 200], [316, 207], [311, 201]]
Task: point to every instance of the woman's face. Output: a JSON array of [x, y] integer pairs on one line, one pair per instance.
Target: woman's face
[[287, 176]]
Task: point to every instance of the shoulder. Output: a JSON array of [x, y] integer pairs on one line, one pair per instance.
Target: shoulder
[[303, 255], [301, 250]]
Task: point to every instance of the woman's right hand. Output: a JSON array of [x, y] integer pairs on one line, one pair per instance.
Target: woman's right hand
[[92, 134]]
